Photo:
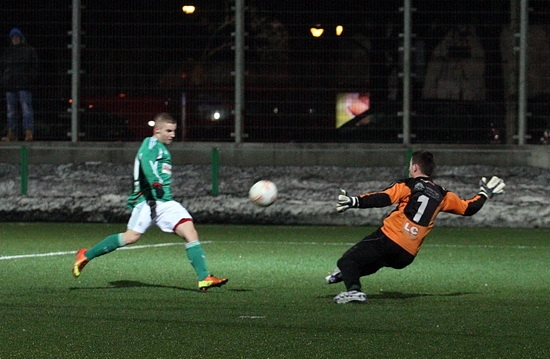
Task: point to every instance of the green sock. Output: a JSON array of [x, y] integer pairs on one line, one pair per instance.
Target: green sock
[[197, 259], [109, 244]]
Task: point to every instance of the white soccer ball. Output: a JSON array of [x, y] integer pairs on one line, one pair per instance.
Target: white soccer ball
[[263, 193]]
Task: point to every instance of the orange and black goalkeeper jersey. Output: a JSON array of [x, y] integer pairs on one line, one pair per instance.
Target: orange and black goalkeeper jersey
[[418, 200]]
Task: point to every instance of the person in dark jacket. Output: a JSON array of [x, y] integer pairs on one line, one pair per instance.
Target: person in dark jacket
[[19, 68]]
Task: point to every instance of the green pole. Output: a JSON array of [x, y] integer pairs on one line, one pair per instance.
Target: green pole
[[409, 156], [24, 170], [215, 168]]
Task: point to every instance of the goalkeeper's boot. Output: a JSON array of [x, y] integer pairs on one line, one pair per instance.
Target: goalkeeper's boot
[[210, 282], [351, 296], [334, 277], [80, 262]]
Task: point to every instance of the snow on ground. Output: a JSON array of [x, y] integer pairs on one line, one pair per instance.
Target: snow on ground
[[96, 192]]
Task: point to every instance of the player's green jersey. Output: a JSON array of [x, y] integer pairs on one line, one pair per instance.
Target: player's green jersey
[[152, 165]]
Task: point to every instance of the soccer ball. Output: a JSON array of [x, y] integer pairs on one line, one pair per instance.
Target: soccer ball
[[263, 193]]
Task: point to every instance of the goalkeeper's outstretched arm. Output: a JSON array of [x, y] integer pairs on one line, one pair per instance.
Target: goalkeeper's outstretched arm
[[368, 200]]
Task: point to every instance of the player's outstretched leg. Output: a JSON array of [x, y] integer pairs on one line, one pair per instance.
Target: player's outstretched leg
[[211, 281], [80, 262], [107, 245]]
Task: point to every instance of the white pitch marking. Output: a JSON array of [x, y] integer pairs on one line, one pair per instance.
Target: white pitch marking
[[52, 254], [251, 316]]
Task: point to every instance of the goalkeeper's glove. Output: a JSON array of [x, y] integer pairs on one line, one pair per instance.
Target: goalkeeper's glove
[[489, 189], [159, 191], [346, 202]]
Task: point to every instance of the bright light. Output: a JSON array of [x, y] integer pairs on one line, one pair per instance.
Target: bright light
[[188, 9], [339, 30], [317, 30], [216, 116], [151, 123]]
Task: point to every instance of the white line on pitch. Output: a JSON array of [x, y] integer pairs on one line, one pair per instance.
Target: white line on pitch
[[51, 254]]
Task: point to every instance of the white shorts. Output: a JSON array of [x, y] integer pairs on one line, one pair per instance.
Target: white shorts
[[169, 214]]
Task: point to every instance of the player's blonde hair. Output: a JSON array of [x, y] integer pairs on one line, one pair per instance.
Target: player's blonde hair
[[163, 118]]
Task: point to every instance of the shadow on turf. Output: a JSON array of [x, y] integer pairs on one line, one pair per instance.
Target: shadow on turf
[[137, 284], [400, 295], [131, 284]]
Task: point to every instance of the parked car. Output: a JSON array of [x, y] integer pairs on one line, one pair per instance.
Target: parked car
[[120, 117]]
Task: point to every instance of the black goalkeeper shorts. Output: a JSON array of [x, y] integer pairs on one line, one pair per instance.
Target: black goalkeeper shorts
[[374, 252]]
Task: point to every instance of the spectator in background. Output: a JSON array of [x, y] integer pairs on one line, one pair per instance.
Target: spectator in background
[[19, 68]]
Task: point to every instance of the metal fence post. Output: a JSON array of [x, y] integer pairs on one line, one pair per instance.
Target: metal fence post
[[407, 72], [239, 69], [522, 82], [75, 68]]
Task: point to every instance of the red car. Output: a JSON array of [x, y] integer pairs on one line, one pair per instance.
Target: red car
[[121, 117]]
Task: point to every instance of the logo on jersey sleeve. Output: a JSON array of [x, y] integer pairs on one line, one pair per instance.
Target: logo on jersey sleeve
[[167, 168]]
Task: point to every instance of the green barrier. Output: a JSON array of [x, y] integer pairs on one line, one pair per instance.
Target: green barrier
[[409, 156], [24, 170], [215, 168]]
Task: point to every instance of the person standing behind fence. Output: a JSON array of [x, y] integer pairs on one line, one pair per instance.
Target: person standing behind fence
[[19, 68]]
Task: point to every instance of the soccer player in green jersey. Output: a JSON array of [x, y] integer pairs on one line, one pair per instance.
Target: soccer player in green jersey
[[152, 203]]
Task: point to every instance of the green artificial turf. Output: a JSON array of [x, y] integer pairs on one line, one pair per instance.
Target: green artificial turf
[[471, 293]]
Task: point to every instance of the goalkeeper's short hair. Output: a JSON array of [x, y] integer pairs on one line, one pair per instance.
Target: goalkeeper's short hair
[[425, 160]]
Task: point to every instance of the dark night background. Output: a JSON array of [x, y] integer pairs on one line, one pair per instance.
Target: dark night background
[[145, 31], [152, 48]]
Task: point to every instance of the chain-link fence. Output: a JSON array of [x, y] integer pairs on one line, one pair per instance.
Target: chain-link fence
[[314, 71]]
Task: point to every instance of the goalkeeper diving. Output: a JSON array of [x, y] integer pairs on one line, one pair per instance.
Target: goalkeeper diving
[[396, 243]]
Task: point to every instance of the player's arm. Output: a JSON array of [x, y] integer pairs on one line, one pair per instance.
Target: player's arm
[[452, 203], [384, 198], [151, 169]]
